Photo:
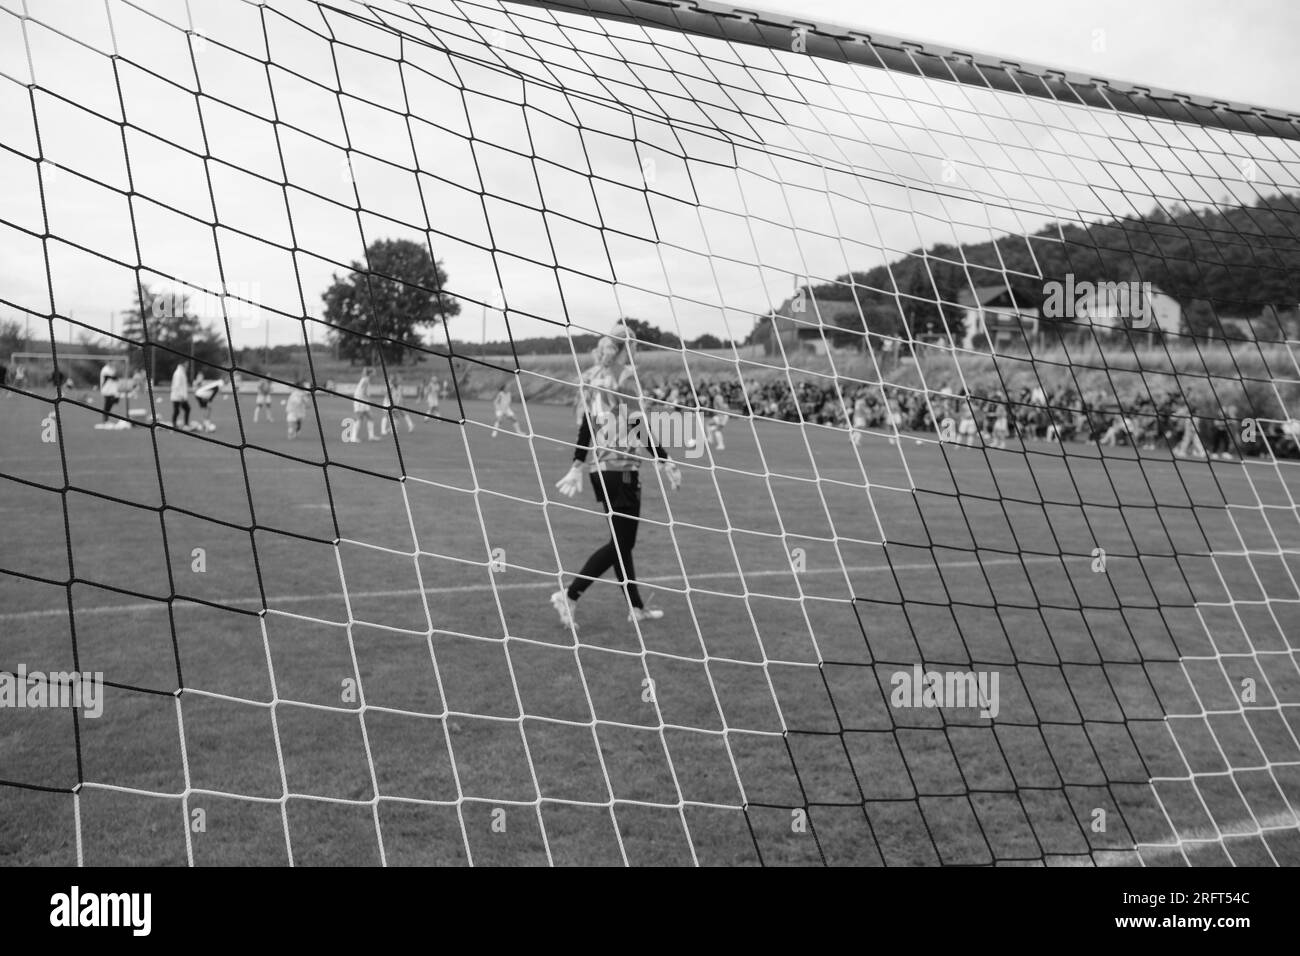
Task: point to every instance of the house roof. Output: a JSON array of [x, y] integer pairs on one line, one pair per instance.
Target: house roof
[[983, 295], [816, 314]]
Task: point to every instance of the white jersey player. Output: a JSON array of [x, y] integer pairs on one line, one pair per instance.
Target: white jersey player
[[432, 395], [502, 408], [205, 390], [860, 419], [361, 410], [109, 389], [296, 407], [180, 396], [393, 395], [717, 420]]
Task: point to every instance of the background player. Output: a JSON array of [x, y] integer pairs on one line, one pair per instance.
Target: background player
[[717, 419], [433, 395], [502, 407], [137, 387], [393, 395], [860, 419], [263, 400], [180, 395], [205, 390], [295, 409], [361, 409], [108, 388]]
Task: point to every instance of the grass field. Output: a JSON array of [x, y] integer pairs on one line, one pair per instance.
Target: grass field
[[358, 675]]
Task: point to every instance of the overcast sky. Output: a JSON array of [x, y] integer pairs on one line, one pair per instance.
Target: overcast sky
[[789, 170]]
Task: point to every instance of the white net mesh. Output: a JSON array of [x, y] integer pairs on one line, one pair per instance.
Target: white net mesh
[[981, 381]]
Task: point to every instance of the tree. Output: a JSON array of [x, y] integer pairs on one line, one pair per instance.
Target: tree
[[1202, 320], [884, 319], [760, 333], [164, 330], [378, 311], [1181, 251], [12, 338], [707, 341], [649, 334]]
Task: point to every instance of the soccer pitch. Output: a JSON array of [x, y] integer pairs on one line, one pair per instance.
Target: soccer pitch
[[949, 404], [409, 697]]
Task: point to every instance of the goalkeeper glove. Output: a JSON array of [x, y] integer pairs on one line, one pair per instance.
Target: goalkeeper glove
[[571, 482], [669, 470]]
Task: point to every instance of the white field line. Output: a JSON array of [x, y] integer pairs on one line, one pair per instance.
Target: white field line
[[517, 586], [1200, 838]]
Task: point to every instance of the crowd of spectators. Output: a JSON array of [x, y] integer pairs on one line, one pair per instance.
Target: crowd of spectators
[[993, 417]]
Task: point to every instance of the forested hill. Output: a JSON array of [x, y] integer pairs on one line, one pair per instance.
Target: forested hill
[[1239, 260]]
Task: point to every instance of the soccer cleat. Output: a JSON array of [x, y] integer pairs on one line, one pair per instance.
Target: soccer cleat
[[645, 614], [565, 608]]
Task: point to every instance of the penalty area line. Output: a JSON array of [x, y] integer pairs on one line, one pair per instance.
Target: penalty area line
[[272, 602]]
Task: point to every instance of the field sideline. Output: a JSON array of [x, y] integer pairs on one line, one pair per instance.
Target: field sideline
[[413, 575]]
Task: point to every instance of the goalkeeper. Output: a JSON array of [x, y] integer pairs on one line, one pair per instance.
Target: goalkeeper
[[613, 429]]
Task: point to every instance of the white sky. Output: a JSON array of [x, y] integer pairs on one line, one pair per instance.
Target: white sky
[[739, 200]]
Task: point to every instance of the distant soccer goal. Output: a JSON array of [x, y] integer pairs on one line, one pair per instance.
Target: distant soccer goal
[[645, 432], [37, 369]]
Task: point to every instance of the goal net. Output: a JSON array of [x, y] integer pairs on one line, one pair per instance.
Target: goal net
[[979, 377]]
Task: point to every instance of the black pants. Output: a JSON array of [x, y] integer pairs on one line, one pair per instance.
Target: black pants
[[177, 408], [109, 402], [620, 493]]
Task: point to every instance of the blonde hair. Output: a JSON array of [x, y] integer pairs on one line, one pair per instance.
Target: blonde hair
[[619, 343]]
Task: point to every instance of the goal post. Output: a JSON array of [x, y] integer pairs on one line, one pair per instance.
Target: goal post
[[934, 61], [980, 377]]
